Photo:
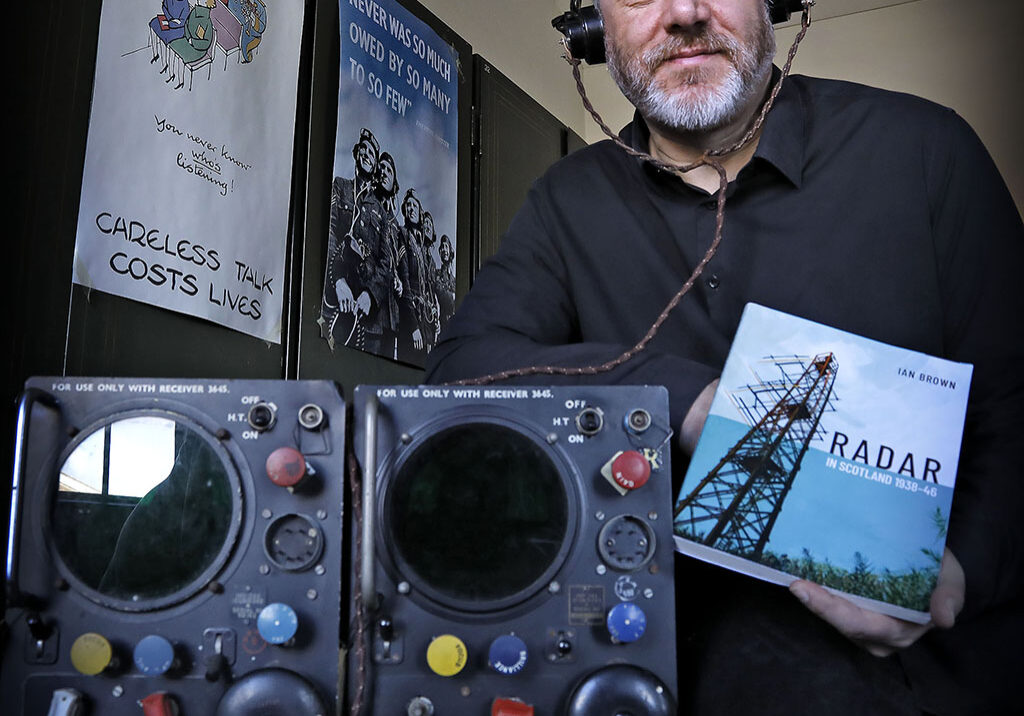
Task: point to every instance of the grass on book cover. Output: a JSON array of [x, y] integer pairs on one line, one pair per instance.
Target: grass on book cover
[[829, 457]]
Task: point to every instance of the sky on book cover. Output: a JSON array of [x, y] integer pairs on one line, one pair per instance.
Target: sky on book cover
[[889, 403]]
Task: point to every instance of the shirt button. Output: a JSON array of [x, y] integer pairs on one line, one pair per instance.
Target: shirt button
[[713, 282]]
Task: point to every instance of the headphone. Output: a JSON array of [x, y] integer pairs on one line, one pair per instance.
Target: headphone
[[584, 30]]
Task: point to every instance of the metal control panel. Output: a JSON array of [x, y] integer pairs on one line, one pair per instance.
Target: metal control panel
[[175, 548], [515, 551]]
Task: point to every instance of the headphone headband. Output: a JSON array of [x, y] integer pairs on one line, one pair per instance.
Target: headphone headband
[[584, 30]]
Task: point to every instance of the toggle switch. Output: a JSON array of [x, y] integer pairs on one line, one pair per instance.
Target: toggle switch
[[262, 416], [66, 702], [42, 647]]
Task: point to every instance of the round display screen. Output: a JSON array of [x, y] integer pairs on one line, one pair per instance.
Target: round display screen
[[479, 513], [143, 509]]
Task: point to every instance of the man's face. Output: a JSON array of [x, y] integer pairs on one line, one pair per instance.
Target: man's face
[[366, 157], [689, 65], [428, 225], [411, 210], [387, 177]]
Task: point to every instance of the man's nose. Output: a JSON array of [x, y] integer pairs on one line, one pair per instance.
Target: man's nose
[[685, 14]]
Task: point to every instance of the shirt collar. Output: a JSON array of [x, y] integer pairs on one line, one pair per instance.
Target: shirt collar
[[782, 137]]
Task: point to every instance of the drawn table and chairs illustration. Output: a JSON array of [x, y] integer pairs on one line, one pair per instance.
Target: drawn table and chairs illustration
[[186, 37]]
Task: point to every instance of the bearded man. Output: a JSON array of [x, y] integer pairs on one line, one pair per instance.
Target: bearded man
[[875, 212]]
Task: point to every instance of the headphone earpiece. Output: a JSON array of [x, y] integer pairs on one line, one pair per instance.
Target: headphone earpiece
[[781, 10], [584, 30]]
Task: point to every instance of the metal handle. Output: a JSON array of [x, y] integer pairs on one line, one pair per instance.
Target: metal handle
[[66, 702], [28, 398], [368, 555]]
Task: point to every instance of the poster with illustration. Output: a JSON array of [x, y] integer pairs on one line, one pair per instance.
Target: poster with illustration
[[389, 274], [187, 175]]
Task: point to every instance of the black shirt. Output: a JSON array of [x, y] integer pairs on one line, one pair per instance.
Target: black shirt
[[875, 212]]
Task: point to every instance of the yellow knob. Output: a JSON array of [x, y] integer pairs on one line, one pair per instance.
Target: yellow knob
[[446, 655], [91, 653]]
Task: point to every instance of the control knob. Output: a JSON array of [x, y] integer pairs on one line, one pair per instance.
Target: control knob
[[159, 703], [286, 467], [510, 707], [507, 654], [446, 655], [91, 653], [277, 623], [153, 655], [627, 470], [626, 622]]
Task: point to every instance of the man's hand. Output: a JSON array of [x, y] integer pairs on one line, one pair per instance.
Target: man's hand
[[363, 304], [693, 423], [417, 340], [346, 301], [879, 634]]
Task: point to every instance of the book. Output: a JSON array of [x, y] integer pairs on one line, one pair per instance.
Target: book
[[829, 457]]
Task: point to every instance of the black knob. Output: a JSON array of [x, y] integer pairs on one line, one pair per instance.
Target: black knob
[[564, 646], [621, 689]]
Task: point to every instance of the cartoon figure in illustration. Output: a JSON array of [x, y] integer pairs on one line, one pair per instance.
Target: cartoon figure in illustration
[[252, 14], [187, 34], [194, 45], [166, 27]]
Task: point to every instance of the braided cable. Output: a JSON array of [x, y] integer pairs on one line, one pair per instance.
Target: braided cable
[[709, 158]]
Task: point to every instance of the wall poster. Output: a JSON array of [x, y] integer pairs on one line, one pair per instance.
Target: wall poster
[[187, 178], [389, 276]]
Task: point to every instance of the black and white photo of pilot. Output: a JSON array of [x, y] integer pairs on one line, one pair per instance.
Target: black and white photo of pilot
[[444, 279], [365, 275], [420, 326], [384, 292]]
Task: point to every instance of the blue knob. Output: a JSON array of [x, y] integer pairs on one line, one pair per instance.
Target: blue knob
[[626, 622], [507, 654], [277, 623], [153, 655]]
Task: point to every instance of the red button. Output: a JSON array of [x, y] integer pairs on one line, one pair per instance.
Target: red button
[[510, 707], [631, 470], [286, 466], [159, 703]]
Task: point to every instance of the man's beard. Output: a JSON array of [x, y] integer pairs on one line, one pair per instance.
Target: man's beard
[[695, 104]]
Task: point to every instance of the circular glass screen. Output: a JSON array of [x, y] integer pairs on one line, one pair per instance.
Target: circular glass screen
[[143, 509], [478, 512]]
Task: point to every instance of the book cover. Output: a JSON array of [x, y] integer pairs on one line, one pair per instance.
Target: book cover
[[829, 457]]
